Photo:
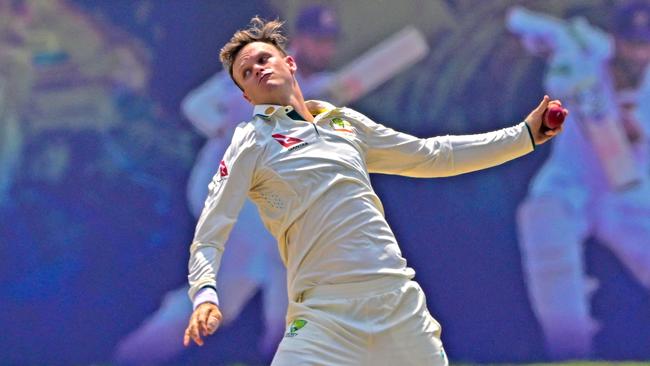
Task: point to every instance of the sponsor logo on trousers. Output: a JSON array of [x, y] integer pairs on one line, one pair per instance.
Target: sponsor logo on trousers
[[295, 326]]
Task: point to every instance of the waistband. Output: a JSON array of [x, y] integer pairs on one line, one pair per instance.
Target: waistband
[[354, 289]]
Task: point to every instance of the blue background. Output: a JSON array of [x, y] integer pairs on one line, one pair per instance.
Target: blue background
[[95, 229]]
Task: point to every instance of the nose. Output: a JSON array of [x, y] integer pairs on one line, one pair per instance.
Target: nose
[[258, 70]]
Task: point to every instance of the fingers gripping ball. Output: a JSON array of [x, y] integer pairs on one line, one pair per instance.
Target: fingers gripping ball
[[554, 117]]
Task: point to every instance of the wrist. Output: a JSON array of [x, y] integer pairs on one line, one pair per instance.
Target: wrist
[[206, 294], [530, 134]]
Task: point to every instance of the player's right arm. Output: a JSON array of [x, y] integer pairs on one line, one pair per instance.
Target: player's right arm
[[227, 193], [393, 152]]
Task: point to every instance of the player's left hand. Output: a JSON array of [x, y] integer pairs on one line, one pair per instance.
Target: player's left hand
[[204, 322], [541, 133]]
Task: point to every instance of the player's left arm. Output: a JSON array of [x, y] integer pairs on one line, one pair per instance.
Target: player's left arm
[[392, 152], [228, 191]]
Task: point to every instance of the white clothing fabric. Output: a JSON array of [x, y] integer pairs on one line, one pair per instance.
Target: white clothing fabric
[[311, 185], [372, 323], [215, 108]]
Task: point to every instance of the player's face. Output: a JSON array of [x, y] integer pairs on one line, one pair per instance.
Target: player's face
[[264, 73]]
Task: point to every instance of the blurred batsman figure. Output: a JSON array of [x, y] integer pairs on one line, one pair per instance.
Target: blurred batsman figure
[[595, 182], [306, 165], [252, 262]]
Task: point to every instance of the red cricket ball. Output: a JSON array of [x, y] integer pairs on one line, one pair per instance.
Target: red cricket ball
[[554, 117]]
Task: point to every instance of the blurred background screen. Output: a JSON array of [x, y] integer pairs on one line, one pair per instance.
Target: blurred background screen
[[114, 116]]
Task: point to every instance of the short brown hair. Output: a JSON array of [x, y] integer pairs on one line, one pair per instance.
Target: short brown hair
[[258, 31]]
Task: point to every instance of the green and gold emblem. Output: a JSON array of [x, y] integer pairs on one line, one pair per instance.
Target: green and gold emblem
[[339, 124], [295, 326]]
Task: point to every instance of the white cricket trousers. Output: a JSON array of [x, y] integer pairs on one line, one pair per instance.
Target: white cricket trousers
[[375, 323]]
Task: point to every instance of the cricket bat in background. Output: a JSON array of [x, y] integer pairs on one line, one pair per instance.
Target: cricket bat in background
[[378, 65], [599, 115]]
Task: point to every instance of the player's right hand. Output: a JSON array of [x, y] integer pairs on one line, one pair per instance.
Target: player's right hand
[[535, 121], [205, 320]]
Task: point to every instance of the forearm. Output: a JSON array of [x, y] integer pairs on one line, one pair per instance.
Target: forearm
[[475, 152], [203, 266], [392, 152]]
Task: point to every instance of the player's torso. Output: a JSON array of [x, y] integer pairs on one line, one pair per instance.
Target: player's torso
[[314, 194], [303, 160]]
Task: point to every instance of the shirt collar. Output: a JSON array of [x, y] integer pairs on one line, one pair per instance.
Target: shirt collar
[[316, 107], [267, 110]]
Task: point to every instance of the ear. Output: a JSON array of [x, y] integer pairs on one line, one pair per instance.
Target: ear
[[291, 62]]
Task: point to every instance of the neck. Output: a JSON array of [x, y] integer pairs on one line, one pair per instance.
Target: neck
[[301, 107], [297, 101]]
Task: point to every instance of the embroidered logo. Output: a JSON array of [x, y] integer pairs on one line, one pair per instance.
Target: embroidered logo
[[341, 125], [291, 143], [295, 326], [218, 178], [286, 141]]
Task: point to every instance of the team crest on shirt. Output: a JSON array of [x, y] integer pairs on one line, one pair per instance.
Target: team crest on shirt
[[341, 125], [295, 326]]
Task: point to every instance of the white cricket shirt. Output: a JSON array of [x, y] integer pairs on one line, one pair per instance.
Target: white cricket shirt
[[311, 185]]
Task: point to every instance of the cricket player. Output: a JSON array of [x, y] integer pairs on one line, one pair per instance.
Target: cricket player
[[572, 194], [252, 262], [305, 165]]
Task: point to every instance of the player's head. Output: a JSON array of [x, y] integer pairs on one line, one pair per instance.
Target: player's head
[[632, 30], [316, 33], [258, 63]]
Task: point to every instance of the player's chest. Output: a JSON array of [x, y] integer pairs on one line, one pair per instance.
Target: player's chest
[[330, 146]]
